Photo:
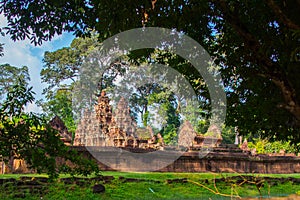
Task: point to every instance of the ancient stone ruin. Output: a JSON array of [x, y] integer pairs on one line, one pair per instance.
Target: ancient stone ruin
[[105, 127], [57, 124], [88, 132], [187, 135]]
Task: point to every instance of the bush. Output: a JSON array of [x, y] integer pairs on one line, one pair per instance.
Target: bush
[[264, 146]]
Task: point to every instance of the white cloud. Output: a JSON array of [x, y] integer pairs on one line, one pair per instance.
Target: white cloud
[[32, 107], [23, 53]]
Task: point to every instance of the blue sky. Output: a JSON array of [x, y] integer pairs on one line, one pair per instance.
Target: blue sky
[[23, 53]]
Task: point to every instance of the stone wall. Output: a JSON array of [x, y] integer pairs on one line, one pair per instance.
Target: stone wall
[[235, 161]]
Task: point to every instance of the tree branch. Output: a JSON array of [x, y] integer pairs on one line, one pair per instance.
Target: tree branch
[[281, 16], [272, 69]]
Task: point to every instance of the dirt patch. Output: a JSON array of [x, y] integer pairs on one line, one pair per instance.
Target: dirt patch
[[291, 197]]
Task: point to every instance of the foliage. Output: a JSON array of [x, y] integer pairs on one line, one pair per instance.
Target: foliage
[[11, 75], [255, 43], [64, 64], [228, 135], [275, 147], [258, 64], [139, 100], [264, 146], [153, 103], [60, 104], [29, 137], [170, 134], [170, 119], [69, 68], [196, 117], [202, 126], [259, 145], [170, 130]]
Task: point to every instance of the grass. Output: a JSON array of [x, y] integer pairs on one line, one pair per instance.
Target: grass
[[200, 186]]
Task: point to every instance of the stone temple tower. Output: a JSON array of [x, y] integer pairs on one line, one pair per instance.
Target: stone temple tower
[[93, 129], [103, 112], [105, 128], [123, 119]]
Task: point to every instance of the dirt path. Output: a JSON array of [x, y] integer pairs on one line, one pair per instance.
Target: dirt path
[[291, 197]]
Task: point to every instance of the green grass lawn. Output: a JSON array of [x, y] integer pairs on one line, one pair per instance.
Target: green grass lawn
[[155, 186]]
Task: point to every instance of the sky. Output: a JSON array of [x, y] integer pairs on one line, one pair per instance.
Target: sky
[[23, 53]]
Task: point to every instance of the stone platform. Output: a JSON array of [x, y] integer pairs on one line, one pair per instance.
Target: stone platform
[[220, 161]]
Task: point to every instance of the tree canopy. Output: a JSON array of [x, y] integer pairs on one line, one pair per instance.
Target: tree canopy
[[11, 75], [255, 43], [29, 136]]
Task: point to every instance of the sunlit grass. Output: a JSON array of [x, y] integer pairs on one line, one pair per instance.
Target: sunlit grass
[[149, 189]]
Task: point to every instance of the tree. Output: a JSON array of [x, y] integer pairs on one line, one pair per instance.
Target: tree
[[1, 44], [150, 92], [11, 75], [1, 50], [64, 64], [60, 104], [255, 43], [28, 136], [139, 100], [68, 68], [228, 135], [170, 129], [259, 64]]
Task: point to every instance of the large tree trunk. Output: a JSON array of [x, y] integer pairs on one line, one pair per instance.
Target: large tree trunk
[[2, 165], [290, 101]]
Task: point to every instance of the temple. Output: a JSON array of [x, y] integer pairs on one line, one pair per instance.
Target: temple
[[103, 127]]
